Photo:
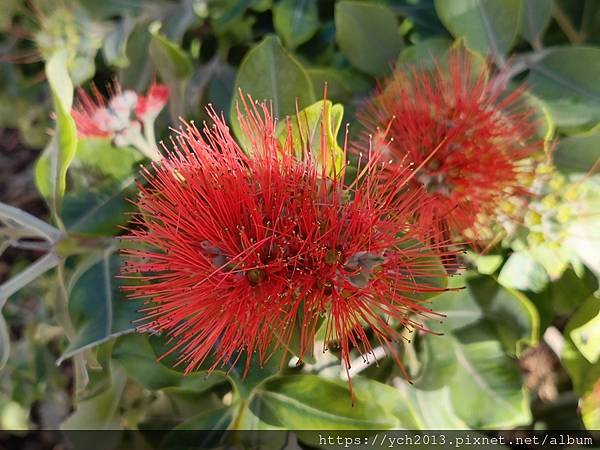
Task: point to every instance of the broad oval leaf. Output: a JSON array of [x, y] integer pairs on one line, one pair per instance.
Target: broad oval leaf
[[99, 207], [97, 306], [571, 94], [487, 390], [140, 363], [367, 35], [521, 271], [308, 402], [535, 18], [579, 153], [296, 21], [488, 26], [432, 408], [270, 73]]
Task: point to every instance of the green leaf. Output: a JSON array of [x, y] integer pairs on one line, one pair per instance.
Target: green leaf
[[103, 178], [296, 21], [577, 154], [367, 35], [4, 342], [214, 419], [521, 271], [433, 408], [307, 130], [488, 26], [487, 390], [487, 264], [174, 67], [426, 52], [514, 317], [310, 402], [341, 85], [97, 306], [535, 18], [169, 59], [584, 375], [141, 364], [51, 168], [100, 412], [586, 337], [571, 290], [438, 361], [571, 94], [269, 73]]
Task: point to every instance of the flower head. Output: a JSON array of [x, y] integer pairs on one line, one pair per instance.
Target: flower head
[[467, 140], [122, 117], [150, 105], [239, 251]]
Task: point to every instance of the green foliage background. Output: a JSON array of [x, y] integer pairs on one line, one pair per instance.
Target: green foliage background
[[520, 345]]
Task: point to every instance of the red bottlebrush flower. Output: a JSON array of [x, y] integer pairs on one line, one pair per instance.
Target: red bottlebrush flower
[[469, 141], [125, 117], [239, 251], [100, 117], [149, 106]]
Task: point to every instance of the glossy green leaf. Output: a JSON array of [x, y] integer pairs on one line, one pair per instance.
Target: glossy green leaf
[[438, 362], [424, 53], [341, 85], [97, 306], [296, 21], [307, 130], [487, 264], [579, 153], [51, 168], [367, 35], [269, 72], [140, 363], [571, 94], [521, 271], [487, 390], [308, 402], [513, 316], [433, 408], [571, 290], [586, 338], [174, 67], [103, 179], [535, 18], [488, 26], [584, 375], [169, 59], [100, 412]]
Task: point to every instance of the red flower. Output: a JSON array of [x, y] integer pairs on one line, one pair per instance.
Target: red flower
[[149, 106], [100, 117], [239, 251], [125, 117], [467, 141]]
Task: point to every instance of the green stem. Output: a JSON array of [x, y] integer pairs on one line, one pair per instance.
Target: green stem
[[26, 221], [41, 266]]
